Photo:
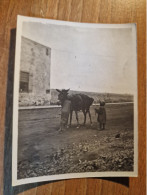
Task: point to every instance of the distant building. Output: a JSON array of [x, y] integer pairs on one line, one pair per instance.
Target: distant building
[[35, 65]]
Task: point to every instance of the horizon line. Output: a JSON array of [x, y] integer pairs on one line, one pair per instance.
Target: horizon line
[[96, 92]]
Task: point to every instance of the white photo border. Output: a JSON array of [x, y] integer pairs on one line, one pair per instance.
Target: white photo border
[[15, 181]]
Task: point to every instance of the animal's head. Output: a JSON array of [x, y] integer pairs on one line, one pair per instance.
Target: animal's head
[[62, 96]]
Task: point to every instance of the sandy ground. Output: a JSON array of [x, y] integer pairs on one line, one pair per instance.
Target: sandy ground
[[42, 150]]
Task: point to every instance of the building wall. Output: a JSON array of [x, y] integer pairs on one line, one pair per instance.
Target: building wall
[[36, 60]]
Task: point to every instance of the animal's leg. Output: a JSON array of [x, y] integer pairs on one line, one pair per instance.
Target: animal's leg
[[84, 117], [67, 126], [90, 117], [77, 118], [70, 117]]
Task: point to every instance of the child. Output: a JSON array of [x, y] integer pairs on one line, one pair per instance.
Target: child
[[101, 115], [65, 111]]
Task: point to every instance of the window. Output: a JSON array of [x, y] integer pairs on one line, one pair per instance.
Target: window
[[24, 82], [48, 91]]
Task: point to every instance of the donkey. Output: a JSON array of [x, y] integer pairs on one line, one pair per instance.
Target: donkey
[[78, 102]]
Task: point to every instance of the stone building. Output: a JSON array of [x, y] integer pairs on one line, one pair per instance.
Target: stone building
[[35, 65]]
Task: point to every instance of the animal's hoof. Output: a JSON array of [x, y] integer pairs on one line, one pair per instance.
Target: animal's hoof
[[60, 130]]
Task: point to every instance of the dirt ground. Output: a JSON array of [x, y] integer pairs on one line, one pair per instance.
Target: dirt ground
[[42, 150]]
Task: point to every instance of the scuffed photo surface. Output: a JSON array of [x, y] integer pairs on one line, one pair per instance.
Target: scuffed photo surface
[[75, 150], [88, 72]]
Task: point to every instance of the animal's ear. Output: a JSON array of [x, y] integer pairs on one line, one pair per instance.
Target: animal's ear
[[58, 90], [67, 90]]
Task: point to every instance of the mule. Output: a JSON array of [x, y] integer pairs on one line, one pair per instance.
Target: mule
[[79, 102]]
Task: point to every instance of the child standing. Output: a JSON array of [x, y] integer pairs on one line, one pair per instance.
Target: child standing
[[65, 111], [101, 115]]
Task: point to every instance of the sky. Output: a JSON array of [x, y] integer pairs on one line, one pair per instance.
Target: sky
[[88, 59]]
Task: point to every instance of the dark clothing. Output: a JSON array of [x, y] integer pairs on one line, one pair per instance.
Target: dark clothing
[[102, 126], [101, 116]]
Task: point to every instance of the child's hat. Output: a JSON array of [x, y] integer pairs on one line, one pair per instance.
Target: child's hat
[[102, 102]]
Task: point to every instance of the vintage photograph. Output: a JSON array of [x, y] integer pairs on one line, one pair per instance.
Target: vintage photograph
[[75, 101]]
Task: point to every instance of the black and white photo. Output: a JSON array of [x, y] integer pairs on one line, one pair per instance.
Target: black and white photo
[[75, 101]]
